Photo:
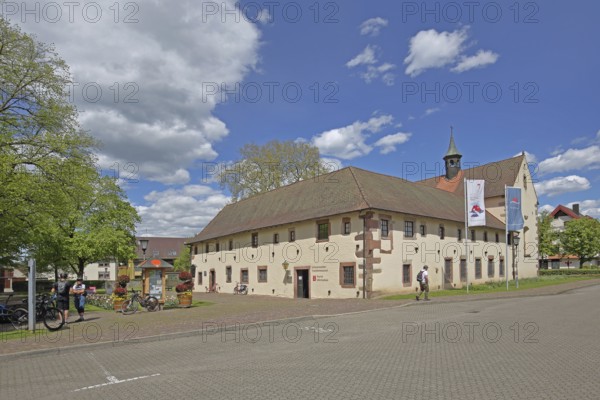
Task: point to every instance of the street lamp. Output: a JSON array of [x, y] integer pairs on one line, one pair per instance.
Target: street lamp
[[144, 245], [285, 265], [515, 245]]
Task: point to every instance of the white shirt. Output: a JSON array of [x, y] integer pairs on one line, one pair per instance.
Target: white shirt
[[425, 276]]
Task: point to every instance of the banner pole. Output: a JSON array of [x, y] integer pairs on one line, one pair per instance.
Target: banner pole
[[466, 232], [506, 235]]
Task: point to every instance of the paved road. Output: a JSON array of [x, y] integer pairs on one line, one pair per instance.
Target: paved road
[[522, 348]]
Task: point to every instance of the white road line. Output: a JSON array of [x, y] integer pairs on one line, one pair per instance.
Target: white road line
[[112, 380]]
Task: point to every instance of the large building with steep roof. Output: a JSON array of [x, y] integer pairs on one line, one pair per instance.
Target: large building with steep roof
[[356, 233]]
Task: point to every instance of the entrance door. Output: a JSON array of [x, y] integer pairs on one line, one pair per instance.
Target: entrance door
[[302, 284], [211, 280], [448, 276]]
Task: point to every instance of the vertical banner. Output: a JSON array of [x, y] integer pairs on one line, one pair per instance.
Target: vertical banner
[[475, 203], [514, 215]]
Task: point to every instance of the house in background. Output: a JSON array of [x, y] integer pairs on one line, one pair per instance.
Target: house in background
[[355, 233], [561, 216], [165, 248]]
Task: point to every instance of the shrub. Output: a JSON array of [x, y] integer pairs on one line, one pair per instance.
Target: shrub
[[571, 271]]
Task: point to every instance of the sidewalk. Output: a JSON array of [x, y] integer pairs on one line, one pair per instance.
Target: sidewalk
[[113, 329]]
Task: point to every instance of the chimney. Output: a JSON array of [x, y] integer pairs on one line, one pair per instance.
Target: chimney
[[576, 208]]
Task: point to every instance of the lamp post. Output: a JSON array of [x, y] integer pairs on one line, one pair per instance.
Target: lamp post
[[144, 245], [515, 245]]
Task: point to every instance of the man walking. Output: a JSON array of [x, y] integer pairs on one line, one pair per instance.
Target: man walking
[[423, 279]]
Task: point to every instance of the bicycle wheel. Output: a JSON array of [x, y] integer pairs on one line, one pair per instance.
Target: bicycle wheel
[[20, 318], [53, 319], [129, 307], [152, 304]]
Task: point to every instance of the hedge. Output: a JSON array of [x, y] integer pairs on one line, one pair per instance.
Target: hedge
[[42, 286], [569, 271]]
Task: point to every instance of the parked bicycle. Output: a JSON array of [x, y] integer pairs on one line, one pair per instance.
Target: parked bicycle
[[132, 305], [17, 316], [52, 317], [240, 288]]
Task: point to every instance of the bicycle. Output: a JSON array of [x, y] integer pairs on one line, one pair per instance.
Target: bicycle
[[52, 317], [131, 305], [17, 316], [240, 288]]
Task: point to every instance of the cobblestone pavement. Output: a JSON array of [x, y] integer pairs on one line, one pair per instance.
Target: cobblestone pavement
[[528, 347], [111, 328]]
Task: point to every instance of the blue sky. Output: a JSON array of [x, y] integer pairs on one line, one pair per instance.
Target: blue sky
[[381, 83]]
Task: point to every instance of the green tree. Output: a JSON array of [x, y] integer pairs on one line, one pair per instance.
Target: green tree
[[183, 262], [276, 164], [547, 236], [89, 223], [41, 143], [581, 237]]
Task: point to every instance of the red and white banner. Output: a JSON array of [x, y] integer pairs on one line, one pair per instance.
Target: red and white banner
[[475, 203]]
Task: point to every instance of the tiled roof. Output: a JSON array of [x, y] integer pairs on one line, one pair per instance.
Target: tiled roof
[[566, 210], [347, 190], [496, 175], [161, 247]]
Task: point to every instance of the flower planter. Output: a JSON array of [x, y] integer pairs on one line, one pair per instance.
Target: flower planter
[[185, 300], [117, 304]]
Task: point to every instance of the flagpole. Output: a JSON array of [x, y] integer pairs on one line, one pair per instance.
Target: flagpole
[[506, 234], [466, 241]]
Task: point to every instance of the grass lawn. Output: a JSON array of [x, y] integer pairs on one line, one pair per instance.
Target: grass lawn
[[493, 287]]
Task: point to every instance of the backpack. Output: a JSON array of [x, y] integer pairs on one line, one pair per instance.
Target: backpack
[[420, 276], [62, 288]]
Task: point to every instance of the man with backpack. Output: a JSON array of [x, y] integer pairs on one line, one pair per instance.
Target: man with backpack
[[423, 279], [62, 289]]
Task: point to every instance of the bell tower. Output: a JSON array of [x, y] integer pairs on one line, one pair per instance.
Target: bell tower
[[452, 158]]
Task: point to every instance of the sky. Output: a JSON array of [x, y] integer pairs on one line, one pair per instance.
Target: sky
[[173, 90]]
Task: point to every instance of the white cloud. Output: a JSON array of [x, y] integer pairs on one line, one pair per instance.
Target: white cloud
[[333, 163], [349, 141], [547, 207], [366, 57], [589, 207], [372, 26], [561, 185], [180, 212], [531, 158], [430, 111], [433, 49], [481, 59], [572, 159], [383, 71], [162, 63], [387, 144]]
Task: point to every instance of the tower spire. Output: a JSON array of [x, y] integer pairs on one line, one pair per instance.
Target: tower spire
[[452, 158]]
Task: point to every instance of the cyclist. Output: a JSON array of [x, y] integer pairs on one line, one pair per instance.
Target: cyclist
[[62, 289]]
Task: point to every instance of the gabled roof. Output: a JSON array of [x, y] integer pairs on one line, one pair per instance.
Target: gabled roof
[[346, 190], [565, 210], [161, 247], [496, 175]]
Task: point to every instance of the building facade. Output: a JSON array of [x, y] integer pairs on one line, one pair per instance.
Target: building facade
[[354, 233]]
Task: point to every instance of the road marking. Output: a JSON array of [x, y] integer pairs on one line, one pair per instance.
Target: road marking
[[112, 380]]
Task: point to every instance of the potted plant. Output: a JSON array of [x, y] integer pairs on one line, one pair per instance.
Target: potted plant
[[123, 280], [118, 296], [184, 289]]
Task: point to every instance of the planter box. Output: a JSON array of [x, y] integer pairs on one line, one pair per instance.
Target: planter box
[[185, 300]]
